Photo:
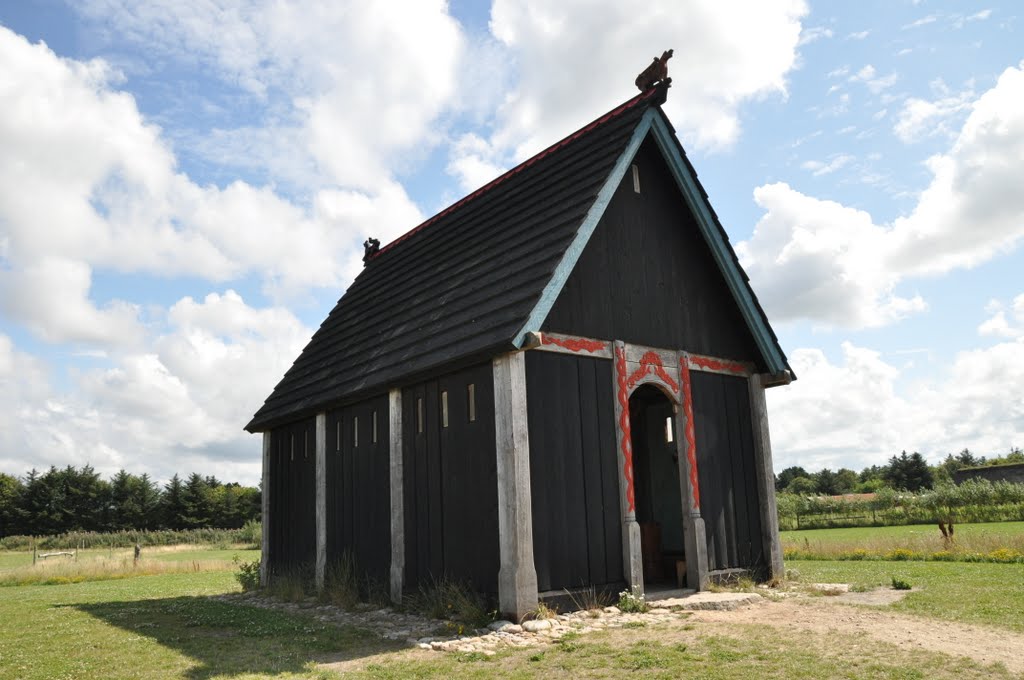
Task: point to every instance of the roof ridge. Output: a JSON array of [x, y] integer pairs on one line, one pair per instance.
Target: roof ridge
[[617, 111]]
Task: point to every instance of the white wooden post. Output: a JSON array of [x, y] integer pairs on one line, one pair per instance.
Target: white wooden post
[[397, 499], [517, 579], [321, 499], [772, 546], [265, 514]]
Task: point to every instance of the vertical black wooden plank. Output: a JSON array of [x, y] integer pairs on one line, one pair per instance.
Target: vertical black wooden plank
[[750, 489], [451, 461], [383, 485], [436, 482], [575, 497], [554, 421], [591, 460], [422, 487], [740, 470], [484, 444], [410, 476], [605, 393], [538, 391]]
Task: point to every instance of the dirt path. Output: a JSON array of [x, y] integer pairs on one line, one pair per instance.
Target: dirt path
[[824, 615]]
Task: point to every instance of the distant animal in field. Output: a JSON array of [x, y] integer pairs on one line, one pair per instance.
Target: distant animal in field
[[655, 73]]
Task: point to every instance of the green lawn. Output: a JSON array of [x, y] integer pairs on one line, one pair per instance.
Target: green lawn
[[166, 626], [160, 627], [1008, 531], [690, 651], [977, 539], [991, 594]]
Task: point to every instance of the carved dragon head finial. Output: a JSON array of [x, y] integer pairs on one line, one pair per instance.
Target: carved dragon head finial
[[656, 73], [370, 248]]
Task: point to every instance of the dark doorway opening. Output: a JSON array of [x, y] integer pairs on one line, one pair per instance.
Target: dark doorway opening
[[657, 492]]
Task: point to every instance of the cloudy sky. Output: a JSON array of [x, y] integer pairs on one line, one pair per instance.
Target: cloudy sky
[[185, 185]]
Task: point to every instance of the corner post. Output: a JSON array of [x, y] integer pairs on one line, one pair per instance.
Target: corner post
[[321, 499], [517, 579], [397, 498], [694, 532], [632, 556], [772, 547], [265, 514]]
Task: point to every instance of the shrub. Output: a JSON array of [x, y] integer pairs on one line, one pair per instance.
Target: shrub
[[248, 575], [1005, 555], [631, 603], [900, 555], [900, 584]]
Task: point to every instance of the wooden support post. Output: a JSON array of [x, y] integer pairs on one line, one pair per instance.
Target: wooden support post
[[321, 500], [397, 499], [772, 546], [632, 557], [694, 532], [265, 514], [517, 579]]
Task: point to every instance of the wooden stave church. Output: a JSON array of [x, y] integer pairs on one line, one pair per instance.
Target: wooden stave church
[[470, 407]]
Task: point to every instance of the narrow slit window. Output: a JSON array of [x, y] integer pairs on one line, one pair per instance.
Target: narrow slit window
[[374, 427], [293, 446], [355, 431], [419, 415], [668, 430], [305, 445], [471, 400], [337, 437], [444, 409], [636, 178]]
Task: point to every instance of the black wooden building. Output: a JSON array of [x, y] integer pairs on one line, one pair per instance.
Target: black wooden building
[[556, 382]]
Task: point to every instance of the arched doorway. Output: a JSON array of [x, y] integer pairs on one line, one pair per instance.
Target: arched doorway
[[658, 494]]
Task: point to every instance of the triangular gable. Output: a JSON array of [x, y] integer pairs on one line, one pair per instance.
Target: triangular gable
[[654, 123]]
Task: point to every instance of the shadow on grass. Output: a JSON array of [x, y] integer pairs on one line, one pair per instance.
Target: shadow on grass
[[226, 638]]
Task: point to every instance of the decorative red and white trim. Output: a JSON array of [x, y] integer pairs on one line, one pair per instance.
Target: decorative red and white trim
[[568, 344]]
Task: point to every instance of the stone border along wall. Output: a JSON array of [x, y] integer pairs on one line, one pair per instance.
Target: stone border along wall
[[422, 632]]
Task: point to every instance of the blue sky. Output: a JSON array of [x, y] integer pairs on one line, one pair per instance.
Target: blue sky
[[185, 187]]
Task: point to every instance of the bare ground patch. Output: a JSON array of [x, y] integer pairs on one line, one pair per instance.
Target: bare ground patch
[[826, 615]]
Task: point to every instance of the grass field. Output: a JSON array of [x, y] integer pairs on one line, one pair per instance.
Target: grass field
[[972, 541], [990, 594], [91, 565], [167, 626]]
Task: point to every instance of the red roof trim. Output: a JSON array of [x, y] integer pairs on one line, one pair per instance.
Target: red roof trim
[[643, 96]]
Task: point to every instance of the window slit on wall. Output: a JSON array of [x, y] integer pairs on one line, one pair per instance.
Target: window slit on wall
[[668, 430], [636, 178], [337, 437], [293, 446], [444, 409], [375, 427], [471, 400], [355, 431], [305, 444], [419, 415]]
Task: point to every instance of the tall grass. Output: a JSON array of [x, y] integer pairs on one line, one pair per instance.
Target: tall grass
[[103, 569], [970, 544], [250, 534]]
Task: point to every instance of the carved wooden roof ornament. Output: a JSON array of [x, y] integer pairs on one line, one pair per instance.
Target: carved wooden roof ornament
[[370, 248], [656, 73]]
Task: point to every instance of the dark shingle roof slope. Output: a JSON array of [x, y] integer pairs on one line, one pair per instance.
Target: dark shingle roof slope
[[461, 284]]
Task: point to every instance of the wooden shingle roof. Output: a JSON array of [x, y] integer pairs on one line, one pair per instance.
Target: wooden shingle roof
[[471, 281], [462, 283]]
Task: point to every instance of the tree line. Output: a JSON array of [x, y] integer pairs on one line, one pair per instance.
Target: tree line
[[905, 472], [78, 499]]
